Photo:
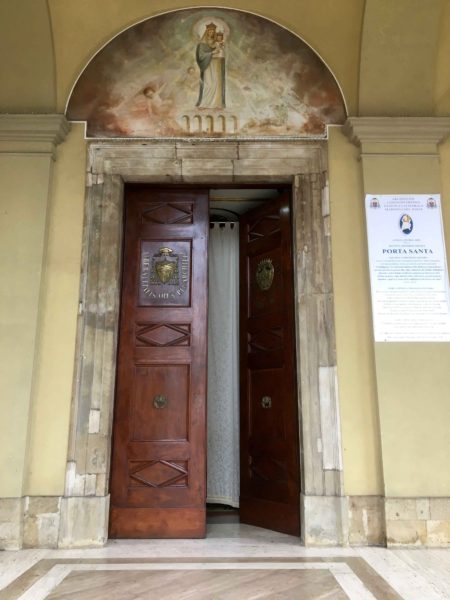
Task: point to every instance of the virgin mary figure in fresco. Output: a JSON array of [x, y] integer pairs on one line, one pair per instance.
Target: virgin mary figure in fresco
[[210, 56]]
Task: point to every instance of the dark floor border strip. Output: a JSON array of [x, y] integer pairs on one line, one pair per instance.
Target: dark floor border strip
[[373, 581]]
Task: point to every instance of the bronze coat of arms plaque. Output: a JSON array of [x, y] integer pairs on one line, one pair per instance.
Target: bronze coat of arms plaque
[[264, 274], [164, 278]]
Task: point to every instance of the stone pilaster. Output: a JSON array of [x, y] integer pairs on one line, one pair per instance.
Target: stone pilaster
[[27, 153]]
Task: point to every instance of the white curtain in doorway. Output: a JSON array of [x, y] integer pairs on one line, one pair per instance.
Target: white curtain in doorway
[[223, 365]]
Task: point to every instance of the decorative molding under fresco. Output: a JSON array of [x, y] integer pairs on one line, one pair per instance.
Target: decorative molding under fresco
[[206, 73]]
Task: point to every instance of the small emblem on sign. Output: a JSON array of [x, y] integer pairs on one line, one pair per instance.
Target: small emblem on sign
[[406, 224], [264, 274]]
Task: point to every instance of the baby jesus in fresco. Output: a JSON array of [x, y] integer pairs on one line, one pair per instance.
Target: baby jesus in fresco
[[219, 46]]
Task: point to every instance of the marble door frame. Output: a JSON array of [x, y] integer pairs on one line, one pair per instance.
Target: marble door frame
[[302, 164]]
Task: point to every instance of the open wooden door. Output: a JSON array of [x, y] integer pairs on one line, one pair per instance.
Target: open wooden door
[[270, 472], [158, 478]]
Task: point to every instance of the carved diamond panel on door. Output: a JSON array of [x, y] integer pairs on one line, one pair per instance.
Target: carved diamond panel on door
[[163, 334], [264, 226], [170, 213], [158, 474], [266, 340]]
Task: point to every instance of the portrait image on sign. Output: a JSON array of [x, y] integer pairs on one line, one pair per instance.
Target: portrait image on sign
[[164, 278]]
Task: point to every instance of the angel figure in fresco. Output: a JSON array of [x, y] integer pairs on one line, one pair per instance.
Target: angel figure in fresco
[[210, 57], [156, 105]]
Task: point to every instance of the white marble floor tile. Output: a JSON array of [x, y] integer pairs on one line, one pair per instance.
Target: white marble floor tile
[[433, 564], [13, 564], [353, 587], [42, 588], [407, 581]]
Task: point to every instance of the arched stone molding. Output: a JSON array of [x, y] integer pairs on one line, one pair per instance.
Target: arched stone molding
[[84, 509]]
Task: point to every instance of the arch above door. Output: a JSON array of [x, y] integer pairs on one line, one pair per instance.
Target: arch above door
[[207, 72]]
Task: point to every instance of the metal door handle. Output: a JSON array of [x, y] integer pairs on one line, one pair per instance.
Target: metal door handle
[[266, 402], [160, 401]]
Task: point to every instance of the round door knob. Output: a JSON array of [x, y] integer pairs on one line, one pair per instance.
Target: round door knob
[[160, 401], [266, 402]]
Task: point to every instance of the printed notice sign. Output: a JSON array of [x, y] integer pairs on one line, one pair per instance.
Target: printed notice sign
[[408, 268]]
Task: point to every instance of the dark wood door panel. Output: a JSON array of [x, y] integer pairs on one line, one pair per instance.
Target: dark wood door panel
[[270, 472], [158, 459]]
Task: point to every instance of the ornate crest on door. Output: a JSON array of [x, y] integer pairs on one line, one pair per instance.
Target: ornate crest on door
[[165, 267], [264, 274], [165, 273]]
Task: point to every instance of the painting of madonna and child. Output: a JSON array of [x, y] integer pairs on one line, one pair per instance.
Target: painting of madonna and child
[[207, 73]]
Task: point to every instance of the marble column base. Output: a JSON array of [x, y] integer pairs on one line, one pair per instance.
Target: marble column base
[[366, 519], [11, 523], [324, 520], [84, 521], [53, 522]]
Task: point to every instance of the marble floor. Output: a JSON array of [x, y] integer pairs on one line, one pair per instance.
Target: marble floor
[[234, 562]]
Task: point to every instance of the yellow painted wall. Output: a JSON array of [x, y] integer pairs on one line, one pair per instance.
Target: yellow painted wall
[[27, 71], [398, 54], [23, 211], [442, 80], [354, 338], [48, 437], [412, 379], [444, 155]]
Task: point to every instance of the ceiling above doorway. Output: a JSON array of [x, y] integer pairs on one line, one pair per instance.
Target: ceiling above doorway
[[229, 203]]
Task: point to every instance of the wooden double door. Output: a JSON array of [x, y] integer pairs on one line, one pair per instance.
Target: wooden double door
[[158, 465]]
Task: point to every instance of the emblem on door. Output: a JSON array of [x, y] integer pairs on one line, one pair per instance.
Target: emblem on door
[[164, 273], [160, 401], [264, 274], [266, 402], [165, 268]]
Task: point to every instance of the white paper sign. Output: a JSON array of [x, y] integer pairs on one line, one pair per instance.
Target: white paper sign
[[408, 268]]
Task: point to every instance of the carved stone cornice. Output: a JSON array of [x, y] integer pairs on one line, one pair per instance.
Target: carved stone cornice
[[35, 134], [419, 130]]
